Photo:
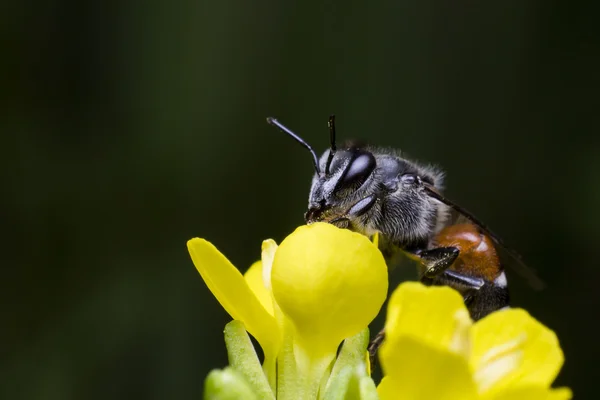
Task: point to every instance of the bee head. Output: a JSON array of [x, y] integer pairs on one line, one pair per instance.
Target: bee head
[[337, 196], [338, 192]]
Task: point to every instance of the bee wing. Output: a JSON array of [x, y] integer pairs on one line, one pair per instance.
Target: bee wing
[[457, 218], [462, 214]]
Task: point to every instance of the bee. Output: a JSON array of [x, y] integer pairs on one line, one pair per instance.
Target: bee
[[374, 190]]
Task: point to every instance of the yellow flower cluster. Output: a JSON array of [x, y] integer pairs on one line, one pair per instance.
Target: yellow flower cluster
[[323, 286]]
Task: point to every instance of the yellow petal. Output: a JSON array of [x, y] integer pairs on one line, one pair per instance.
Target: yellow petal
[[231, 290], [533, 393], [329, 282], [254, 279], [510, 348], [375, 239], [433, 315], [417, 371], [267, 254]]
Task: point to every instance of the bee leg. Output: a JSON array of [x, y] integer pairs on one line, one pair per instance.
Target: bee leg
[[437, 260], [374, 346], [465, 284], [481, 297]]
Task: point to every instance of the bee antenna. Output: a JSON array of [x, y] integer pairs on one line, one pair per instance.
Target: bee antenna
[[333, 147], [283, 128]]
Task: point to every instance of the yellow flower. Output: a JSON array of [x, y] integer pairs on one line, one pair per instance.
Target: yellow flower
[[433, 350], [321, 286]]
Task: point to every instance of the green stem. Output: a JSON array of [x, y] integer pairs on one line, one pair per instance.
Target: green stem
[[287, 377], [270, 370]]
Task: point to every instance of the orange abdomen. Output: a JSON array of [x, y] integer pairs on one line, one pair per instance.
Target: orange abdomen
[[477, 256]]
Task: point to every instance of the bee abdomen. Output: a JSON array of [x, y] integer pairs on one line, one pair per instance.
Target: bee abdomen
[[478, 255]]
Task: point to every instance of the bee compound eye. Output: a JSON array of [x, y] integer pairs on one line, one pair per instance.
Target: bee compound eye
[[357, 171]]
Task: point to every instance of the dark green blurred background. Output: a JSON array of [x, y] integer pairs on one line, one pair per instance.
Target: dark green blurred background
[[129, 128]]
